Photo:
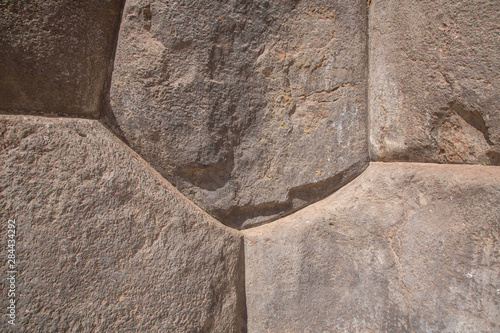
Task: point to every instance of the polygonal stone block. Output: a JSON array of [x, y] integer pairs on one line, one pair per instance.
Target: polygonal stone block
[[403, 248], [104, 243], [252, 109]]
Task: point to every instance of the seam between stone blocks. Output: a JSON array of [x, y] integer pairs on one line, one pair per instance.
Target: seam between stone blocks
[[368, 79], [156, 175]]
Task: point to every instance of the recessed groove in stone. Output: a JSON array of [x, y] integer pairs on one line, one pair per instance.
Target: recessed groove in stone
[[297, 198]]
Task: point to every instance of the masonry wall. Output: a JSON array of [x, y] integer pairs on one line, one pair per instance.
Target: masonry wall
[[261, 166]]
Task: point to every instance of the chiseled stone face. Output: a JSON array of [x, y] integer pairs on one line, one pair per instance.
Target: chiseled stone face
[[434, 81], [252, 109], [104, 244], [56, 55], [403, 248]]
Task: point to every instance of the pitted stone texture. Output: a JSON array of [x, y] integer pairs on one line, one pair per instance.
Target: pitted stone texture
[[434, 81], [403, 248], [104, 243], [252, 109], [56, 55]]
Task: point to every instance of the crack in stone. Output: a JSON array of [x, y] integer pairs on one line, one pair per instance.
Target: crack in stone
[[393, 234], [236, 216], [324, 91]]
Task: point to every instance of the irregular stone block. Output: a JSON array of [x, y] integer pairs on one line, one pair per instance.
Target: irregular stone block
[[56, 56], [434, 87], [104, 244], [403, 248], [252, 109]]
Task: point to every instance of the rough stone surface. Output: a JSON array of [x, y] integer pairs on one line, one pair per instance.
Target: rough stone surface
[[434, 81], [403, 248], [55, 56], [104, 244], [250, 108]]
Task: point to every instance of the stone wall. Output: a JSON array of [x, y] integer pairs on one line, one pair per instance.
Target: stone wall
[[137, 135]]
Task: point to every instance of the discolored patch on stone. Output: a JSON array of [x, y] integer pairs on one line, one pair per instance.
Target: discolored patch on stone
[[56, 56], [252, 109], [403, 248], [434, 86], [104, 243]]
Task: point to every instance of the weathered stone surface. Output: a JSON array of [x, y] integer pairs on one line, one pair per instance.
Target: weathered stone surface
[[434, 81], [250, 108], [104, 244], [403, 248], [56, 56]]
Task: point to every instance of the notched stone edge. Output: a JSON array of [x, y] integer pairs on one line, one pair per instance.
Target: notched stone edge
[[240, 218]]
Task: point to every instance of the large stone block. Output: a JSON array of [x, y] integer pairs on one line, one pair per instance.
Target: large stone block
[[434, 81], [56, 55], [252, 109], [104, 244], [403, 248]]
